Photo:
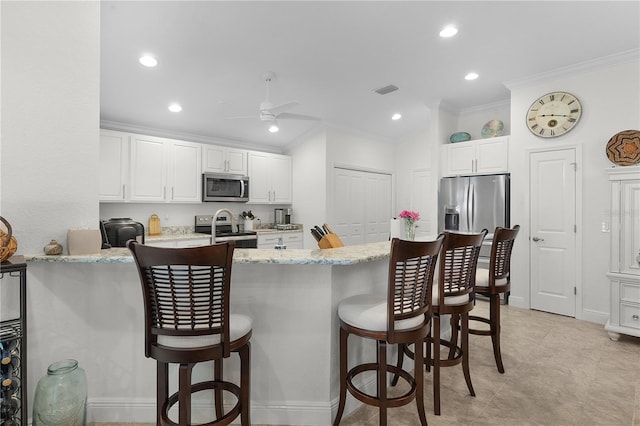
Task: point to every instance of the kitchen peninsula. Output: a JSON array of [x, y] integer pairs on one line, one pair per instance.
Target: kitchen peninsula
[[90, 308]]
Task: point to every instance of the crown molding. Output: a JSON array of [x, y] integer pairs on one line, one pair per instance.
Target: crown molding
[[185, 136], [581, 67], [484, 107]]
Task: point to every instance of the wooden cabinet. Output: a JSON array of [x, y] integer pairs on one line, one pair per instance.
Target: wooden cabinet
[[165, 170], [220, 159], [270, 178], [114, 166], [482, 156], [624, 263]]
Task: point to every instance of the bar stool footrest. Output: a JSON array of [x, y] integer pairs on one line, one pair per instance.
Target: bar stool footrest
[[479, 332], [197, 387], [398, 401], [446, 362]]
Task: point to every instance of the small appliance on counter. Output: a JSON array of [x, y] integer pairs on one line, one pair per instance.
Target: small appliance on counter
[[120, 230], [278, 216]]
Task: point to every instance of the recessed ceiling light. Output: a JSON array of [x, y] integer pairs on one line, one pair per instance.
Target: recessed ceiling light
[[274, 128], [471, 76], [148, 61], [448, 31], [175, 108], [396, 116]]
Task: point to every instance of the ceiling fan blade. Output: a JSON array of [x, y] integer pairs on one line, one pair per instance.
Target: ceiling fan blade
[[241, 116], [276, 110], [291, 116]]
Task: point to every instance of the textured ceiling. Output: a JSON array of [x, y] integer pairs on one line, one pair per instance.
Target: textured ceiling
[[329, 56]]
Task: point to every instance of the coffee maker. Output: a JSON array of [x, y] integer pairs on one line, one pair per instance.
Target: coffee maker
[[287, 216]]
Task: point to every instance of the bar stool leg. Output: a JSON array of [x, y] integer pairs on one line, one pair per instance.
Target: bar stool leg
[[464, 320], [343, 375], [436, 365], [419, 378], [162, 389], [453, 343], [494, 321], [184, 396], [245, 376], [217, 376], [382, 381]]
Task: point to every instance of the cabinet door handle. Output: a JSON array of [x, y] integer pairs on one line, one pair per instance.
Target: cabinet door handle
[[635, 317], [123, 193], [536, 239], [172, 193]]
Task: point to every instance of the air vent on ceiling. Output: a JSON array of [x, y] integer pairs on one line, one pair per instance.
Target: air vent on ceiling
[[386, 89]]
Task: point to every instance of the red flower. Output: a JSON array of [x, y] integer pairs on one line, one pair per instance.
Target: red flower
[[409, 215]]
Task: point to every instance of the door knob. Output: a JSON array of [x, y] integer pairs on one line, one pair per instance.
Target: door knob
[[537, 239]]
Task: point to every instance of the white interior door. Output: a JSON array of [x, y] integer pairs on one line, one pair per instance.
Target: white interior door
[[362, 206], [553, 231]]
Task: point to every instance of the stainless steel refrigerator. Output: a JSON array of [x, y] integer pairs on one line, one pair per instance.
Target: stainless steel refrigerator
[[472, 203]]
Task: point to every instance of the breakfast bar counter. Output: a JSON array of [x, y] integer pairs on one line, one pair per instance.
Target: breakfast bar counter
[[89, 308]]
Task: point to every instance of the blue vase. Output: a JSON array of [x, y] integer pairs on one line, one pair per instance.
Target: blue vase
[[61, 396]]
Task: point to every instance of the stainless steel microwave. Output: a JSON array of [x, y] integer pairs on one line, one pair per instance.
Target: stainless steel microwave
[[222, 187]]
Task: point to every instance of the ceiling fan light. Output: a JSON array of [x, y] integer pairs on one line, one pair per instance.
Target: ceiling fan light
[[448, 31], [148, 61], [273, 128]]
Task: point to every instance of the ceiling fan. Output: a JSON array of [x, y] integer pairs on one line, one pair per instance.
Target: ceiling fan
[[271, 113]]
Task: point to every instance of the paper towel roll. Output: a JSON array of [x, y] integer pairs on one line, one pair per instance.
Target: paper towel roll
[[396, 229]]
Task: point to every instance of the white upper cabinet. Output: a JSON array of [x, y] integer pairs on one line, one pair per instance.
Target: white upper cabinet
[[184, 172], [270, 178], [482, 156], [220, 159], [165, 170], [114, 166]]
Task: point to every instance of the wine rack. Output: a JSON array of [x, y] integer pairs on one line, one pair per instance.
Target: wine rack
[[13, 349]]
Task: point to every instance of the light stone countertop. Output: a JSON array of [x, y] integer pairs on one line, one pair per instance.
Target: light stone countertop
[[176, 237], [348, 255]]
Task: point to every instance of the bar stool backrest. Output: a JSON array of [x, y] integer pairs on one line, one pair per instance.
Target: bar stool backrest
[[411, 268], [458, 262], [500, 264], [185, 291]]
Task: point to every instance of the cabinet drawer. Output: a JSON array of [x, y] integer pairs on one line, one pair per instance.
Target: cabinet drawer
[[629, 293], [629, 315], [297, 236]]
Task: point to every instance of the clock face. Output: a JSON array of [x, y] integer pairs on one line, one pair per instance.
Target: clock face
[[553, 114]]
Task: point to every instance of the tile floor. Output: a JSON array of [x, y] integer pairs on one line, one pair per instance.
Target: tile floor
[[559, 371]]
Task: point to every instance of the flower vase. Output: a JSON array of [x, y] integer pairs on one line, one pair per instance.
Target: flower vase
[[410, 227], [61, 396]]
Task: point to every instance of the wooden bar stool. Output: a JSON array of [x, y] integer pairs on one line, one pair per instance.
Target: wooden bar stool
[[187, 321], [493, 282], [403, 315], [453, 295]]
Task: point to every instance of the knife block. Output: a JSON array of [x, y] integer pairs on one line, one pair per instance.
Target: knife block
[[330, 241]]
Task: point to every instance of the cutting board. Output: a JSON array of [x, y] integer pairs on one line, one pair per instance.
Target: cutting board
[[154, 225]]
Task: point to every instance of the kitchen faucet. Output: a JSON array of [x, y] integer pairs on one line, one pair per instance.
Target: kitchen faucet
[[215, 217]]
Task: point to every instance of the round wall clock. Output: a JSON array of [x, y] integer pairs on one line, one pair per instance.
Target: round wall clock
[[553, 114]]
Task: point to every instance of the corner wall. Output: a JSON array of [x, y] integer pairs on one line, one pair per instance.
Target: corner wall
[[50, 118]]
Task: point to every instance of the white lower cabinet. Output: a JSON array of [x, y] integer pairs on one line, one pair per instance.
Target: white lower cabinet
[[624, 264], [293, 240]]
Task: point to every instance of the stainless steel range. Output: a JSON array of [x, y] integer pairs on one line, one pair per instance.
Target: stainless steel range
[[226, 229]]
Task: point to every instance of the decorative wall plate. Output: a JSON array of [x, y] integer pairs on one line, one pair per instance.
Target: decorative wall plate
[[623, 148], [460, 137], [492, 128]]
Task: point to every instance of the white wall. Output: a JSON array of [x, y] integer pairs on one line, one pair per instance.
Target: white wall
[[50, 114], [610, 101], [472, 120], [310, 184]]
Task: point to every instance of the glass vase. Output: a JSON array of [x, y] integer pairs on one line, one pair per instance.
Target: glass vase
[[61, 396], [410, 228]]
